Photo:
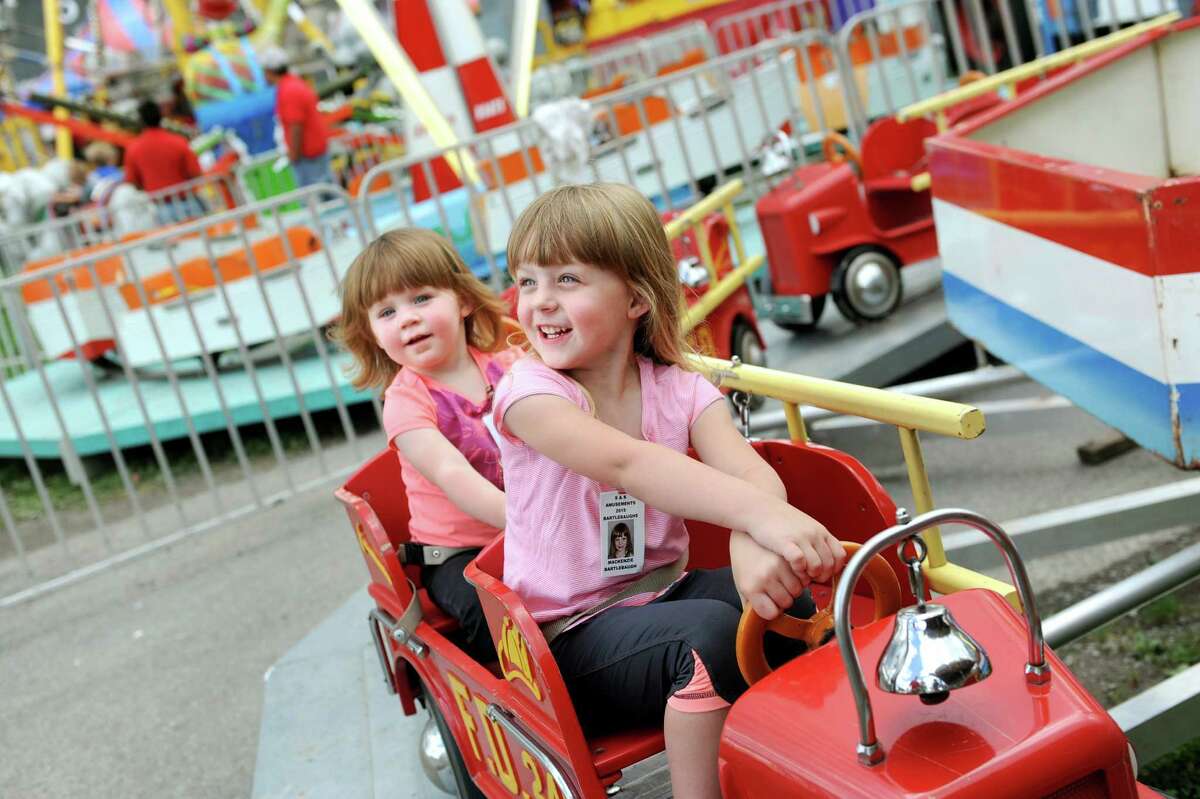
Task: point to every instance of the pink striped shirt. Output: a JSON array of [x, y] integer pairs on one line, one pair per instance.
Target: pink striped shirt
[[552, 541]]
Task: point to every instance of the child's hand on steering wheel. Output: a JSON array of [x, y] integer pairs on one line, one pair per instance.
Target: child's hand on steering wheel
[[764, 580], [811, 551]]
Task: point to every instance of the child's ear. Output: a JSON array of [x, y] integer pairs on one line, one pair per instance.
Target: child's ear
[[639, 306], [465, 310]]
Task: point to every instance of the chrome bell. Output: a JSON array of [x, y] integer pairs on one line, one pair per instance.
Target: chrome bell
[[929, 654]]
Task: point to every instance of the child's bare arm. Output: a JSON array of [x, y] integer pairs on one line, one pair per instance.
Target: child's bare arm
[[432, 454], [667, 480], [721, 446], [765, 580]]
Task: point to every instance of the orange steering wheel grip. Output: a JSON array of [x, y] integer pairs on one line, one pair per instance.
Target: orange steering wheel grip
[[837, 149], [752, 660]]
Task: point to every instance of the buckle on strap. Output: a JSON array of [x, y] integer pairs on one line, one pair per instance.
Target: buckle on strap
[[428, 554]]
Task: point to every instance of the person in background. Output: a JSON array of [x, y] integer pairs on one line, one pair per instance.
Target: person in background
[[305, 134], [158, 159], [102, 157]]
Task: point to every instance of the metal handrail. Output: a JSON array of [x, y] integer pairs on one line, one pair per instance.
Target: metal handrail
[[163, 236], [1118, 599], [626, 94]]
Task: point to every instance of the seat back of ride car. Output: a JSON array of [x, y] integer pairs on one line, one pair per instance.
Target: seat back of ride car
[[891, 148], [827, 484], [377, 506]]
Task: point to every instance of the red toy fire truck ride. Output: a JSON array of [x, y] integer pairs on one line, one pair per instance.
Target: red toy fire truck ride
[[999, 716], [845, 226]]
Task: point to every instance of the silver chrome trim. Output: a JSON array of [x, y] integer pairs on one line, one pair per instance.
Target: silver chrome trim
[[375, 619], [1037, 671], [505, 720]]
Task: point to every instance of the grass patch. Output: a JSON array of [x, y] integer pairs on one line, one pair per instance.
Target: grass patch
[[1137, 651], [1177, 773]]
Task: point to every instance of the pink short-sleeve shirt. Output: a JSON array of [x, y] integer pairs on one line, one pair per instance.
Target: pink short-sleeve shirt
[[552, 556], [413, 402]]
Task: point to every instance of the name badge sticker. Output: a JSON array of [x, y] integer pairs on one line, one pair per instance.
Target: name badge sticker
[[622, 534]]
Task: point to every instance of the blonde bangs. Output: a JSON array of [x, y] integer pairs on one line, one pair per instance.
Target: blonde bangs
[[400, 260], [611, 226]]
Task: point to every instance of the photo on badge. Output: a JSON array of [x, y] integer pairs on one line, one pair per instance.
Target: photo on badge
[[622, 534]]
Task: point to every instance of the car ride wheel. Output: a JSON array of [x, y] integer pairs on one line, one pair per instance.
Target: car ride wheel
[[866, 285], [745, 345], [441, 759], [817, 306]]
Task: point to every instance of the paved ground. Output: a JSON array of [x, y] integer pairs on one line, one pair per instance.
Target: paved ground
[[147, 681]]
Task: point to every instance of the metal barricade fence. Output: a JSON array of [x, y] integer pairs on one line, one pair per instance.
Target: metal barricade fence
[[126, 213], [351, 156], [161, 351], [623, 64], [912, 50], [775, 20], [673, 137]]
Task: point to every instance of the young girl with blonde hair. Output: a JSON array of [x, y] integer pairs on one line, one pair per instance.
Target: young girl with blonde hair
[[595, 431], [421, 326]]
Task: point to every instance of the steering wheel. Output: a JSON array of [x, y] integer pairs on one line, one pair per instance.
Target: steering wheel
[[750, 656], [837, 149]]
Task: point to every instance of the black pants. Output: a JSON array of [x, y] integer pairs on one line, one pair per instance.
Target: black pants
[[451, 592], [621, 666]]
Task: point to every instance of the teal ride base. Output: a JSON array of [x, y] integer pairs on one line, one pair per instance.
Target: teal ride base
[[80, 410]]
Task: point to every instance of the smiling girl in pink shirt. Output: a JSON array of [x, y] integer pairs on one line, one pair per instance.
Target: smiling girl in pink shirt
[[422, 326], [594, 437]]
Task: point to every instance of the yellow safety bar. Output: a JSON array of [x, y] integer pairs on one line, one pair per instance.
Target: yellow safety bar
[[910, 415], [1008, 78], [693, 219]]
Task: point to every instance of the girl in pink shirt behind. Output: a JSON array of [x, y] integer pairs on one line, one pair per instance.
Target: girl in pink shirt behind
[[594, 437], [422, 326]]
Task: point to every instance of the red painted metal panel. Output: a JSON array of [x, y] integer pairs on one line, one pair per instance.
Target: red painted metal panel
[[484, 96], [794, 733], [418, 35], [1097, 211]]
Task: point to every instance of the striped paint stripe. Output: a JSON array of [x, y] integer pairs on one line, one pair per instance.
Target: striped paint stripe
[[1110, 309], [1130, 401], [1122, 345], [1092, 210]]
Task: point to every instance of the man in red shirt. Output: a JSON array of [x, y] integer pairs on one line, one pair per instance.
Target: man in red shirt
[[157, 159], [305, 135]]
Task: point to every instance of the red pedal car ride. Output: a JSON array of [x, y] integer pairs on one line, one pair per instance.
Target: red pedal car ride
[[846, 226], [508, 729]]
